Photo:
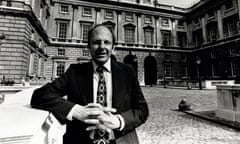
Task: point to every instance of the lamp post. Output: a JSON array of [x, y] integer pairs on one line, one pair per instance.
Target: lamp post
[[198, 62]]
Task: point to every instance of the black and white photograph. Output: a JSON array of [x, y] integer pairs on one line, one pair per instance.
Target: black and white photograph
[[119, 72]]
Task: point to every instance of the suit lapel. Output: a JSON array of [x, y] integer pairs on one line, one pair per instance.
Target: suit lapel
[[87, 83], [115, 85]]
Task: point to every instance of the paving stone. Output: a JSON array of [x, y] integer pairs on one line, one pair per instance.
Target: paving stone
[[165, 126]]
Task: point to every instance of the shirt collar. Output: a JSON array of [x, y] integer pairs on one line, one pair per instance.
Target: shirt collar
[[107, 65]]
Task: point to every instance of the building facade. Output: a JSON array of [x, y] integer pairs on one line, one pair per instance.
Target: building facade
[[162, 42], [24, 39]]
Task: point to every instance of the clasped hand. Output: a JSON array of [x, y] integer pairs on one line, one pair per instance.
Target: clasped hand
[[97, 116]]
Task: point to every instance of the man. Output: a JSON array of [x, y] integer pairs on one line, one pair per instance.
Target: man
[[103, 96]]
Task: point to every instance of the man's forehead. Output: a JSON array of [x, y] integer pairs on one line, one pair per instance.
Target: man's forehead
[[101, 29]]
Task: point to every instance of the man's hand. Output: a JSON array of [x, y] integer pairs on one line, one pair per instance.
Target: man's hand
[[107, 121], [89, 114]]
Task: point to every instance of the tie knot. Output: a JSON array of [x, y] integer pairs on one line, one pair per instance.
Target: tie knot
[[100, 69]]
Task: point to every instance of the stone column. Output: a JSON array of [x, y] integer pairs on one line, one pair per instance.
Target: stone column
[[98, 15], [158, 34], [204, 31], [189, 35], [119, 28], [174, 33], [220, 24], [75, 25], [31, 64], [140, 33]]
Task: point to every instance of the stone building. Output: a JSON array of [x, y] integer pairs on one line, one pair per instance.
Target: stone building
[[162, 42], [24, 39]]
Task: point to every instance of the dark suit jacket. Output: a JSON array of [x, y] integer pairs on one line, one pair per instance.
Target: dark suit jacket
[[77, 84]]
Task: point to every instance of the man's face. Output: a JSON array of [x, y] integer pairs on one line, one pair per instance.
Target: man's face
[[100, 45]]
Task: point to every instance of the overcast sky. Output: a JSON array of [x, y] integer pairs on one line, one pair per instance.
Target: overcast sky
[[179, 3]]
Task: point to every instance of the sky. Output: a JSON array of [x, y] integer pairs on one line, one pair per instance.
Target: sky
[[179, 3]]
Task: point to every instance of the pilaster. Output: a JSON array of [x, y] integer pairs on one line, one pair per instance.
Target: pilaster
[[220, 24]]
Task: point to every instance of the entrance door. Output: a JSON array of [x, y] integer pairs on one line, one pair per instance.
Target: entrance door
[[150, 70]]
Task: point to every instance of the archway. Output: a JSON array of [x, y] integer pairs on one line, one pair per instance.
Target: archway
[[150, 70], [132, 60]]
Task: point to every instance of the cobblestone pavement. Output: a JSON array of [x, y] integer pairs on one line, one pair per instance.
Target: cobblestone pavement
[[166, 126]]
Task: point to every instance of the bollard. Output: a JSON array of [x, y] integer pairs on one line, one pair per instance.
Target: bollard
[[184, 105]]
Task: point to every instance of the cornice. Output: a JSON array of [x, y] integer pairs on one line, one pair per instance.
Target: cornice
[[128, 7]]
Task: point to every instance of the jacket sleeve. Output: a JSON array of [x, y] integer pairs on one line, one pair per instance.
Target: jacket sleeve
[[50, 97], [139, 112]]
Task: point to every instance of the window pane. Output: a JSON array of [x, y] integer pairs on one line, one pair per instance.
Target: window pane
[[165, 22], [229, 4], [166, 38], [64, 8], [109, 14], [129, 34], [148, 36], [182, 39], [129, 17], [168, 70], [61, 52], [85, 28], [236, 67], [87, 11], [62, 30], [60, 68]]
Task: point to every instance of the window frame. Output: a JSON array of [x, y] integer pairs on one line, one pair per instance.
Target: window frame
[[85, 11], [63, 11], [129, 38]]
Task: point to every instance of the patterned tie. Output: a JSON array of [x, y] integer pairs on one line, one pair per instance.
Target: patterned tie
[[101, 136]]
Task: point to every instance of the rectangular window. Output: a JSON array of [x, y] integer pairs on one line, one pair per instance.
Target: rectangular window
[[9, 3], [85, 53], [165, 22], [87, 11], [85, 27], [129, 17], [148, 19], [182, 39], [235, 51], [236, 67], [233, 27], [230, 27], [129, 34], [148, 36], [196, 22], [184, 71], [61, 52], [64, 9], [198, 37], [109, 14], [60, 69], [228, 4], [168, 71], [212, 32], [180, 24], [62, 31], [210, 15], [166, 38]]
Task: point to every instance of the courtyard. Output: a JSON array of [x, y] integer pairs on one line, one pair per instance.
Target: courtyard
[[165, 125]]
